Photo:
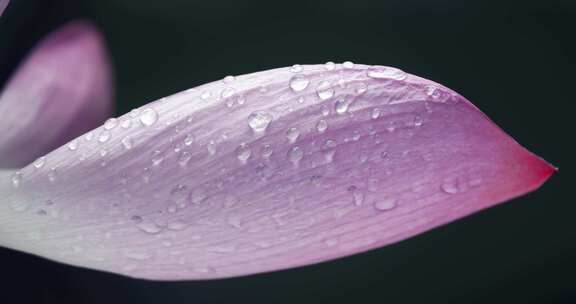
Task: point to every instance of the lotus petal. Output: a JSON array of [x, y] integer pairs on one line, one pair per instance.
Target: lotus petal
[[266, 171], [61, 91]]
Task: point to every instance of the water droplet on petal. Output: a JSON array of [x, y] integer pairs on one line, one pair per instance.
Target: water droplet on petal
[[189, 139], [385, 204], [39, 163], [259, 121], [376, 112], [229, 79], [324, 90], [125, 124], [205, 95], [52, 175], [149, 227], [211, 147], [348, 64], [16, 179], [360, 88], [127, 142], [321, 126], [380, 72], [330, 65], [110, 123], [243, 153], [267, 151], [184, 158], [73, 145], [292, 134], [296, 68], [104, 136], [341, 106], [148, 117], [299, 83], [295, 154]]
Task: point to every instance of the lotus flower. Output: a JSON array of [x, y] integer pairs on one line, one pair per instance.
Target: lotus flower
[[249, 174]]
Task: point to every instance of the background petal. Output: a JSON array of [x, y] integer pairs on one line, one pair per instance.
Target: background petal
[[3, 5], [266, 171], [62, 90]]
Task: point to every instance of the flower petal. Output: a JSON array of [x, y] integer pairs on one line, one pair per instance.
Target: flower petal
[[3, 5], [266, 171], [61, 91]]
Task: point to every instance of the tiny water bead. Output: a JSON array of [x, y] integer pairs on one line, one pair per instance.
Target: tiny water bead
[[376, 112], [16, 179], [292, 134], [73, 145], [324, 90], [205, 95], [125, 124], [228, 92], [386, 73], [322, 125], [39, 163], [267, 151], [348, 64], [299, 82], [330, 65], [341, 106], [296, 68], [295, 154], [104, 136], [110, 123], [148, 117], [127, 142], [259, 121], [189, 139], [243, 153], [229, 79]]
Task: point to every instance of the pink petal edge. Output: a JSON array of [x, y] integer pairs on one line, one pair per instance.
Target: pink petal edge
[[61, 90], [3, 5], [266, 171]]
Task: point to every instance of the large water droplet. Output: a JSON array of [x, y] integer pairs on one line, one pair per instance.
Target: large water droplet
[[259, 121], [110, 123], [379, 72], [243, 153], [292, 134], [148, 117], [321, 126], [324, 90], [299, 83], [295, 154], [39, 163]]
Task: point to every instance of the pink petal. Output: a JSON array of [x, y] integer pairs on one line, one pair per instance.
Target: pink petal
[[266, 171], [3, 5], [61, 91]]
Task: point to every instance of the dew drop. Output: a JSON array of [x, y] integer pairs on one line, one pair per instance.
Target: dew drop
[[329, 65], [325, 110], [125, 124], [379, 72], [188, 140], [243, 153], [177, 225], [360, 88], [385, 204], [110, 123], [229, 79], [157, 157], [376, 112], [259, 121], [149, 227], [292, 134], [299, 83], [89, 136], [324, 90], [321, 126], [267, 151], [184, 158], [296, 68], [205, 95], [73, 145], [148, 117], [39, 163], [127, 142], [348, 64], [341, 106], [16, 179], [295, 154], [211, 147], [52, 175], [104, 136]]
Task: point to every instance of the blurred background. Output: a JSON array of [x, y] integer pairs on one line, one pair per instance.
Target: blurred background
[[514, 59]]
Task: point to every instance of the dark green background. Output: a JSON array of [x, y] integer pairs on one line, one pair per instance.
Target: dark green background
[[513, 59]]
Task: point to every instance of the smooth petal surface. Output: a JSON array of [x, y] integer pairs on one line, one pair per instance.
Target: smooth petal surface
[[3, 5], [265, 171], [61, 91]]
